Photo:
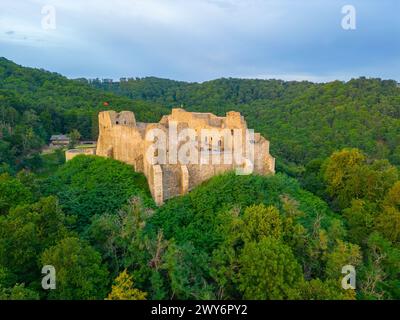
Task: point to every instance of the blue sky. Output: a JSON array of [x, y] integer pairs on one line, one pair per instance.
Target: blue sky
[[199, 40]]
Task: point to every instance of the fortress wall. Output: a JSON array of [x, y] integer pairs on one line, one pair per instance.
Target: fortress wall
[[235, 120], [70, 154], [259, 160], [127, 144], [157, 187], [200, 173], [270, 162], [126, 118], [105, 139], [222, 168], [150, 179], [194, 175], [195, 120], [206, 171], [146, 144], [184, 180], [121, 138], [172, 176], [261, 153]]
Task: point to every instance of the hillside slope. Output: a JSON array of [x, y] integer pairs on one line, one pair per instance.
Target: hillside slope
[[302, 120], [35, 104]]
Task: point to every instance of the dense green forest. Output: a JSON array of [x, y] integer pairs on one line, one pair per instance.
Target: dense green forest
[[335, 200], [303, 120], [35, 104]]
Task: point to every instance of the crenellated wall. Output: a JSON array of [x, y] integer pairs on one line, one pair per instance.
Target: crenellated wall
[[124, 139]]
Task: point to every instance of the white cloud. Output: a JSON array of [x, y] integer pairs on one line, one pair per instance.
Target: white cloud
[[199, 39]]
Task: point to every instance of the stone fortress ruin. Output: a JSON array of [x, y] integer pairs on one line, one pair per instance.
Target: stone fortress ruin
[[169, 174]]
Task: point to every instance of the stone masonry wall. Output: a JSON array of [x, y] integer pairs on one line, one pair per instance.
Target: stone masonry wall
[[122, 138]]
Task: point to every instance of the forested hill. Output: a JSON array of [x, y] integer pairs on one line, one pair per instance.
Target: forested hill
[[35, 104], [233, 237], [65, 101], [303, 120]]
